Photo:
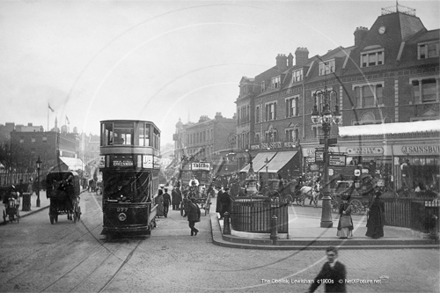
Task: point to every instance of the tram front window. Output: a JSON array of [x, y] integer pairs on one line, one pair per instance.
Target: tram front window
[[123, 133], [126, 187]]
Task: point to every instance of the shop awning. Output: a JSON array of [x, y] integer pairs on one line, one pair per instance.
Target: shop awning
[[390, 128], [279, 161], [259, 161], [73, 164]]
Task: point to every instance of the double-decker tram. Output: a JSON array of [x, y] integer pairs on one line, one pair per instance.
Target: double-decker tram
[[130, 163]]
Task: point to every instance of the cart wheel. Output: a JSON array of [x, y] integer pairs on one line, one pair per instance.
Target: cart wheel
[[358, 207], [52, 219]]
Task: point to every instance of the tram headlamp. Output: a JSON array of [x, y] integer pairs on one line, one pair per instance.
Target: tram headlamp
[[122, 217]]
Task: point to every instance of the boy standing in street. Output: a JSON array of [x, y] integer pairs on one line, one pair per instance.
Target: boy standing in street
[[332, 274]]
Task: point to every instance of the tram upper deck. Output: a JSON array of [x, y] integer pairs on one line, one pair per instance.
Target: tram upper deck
[[129, 136]]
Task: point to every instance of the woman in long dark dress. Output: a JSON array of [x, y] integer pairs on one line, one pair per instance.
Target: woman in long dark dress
[[376, 217], [345, 225]]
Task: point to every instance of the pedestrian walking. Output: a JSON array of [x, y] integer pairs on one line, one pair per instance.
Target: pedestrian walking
[[332, 274], [218, 208], [166, 202], [225, 202], [193, 214], [345, 225], [176, 195], [158, 200], [376, 217]]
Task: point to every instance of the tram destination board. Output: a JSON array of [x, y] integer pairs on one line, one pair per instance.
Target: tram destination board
[[122, 161]]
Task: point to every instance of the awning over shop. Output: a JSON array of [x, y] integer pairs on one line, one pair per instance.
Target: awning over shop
[[279, 161], [73, 164], [390, 128], [259, 161]]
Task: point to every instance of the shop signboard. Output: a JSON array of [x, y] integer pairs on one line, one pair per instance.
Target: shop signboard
[[337, 160], [362, 151], [200, 166], [319, 156]]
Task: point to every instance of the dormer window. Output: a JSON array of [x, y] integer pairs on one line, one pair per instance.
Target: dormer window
[[276, 81], [428, 50], [372, 58], [326, 67], [263, 86], [297, 75]]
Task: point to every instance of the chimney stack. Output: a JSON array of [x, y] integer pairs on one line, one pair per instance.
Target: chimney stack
[[281, 61], [359, 35], [290, 60], [302, 56]]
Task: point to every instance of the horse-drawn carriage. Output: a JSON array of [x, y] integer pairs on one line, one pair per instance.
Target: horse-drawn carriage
[[63, 189], [291, 192], [200, 194], [360, 192]]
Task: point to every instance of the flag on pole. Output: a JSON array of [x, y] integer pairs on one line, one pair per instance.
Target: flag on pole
[[50, 107], [67, 119]]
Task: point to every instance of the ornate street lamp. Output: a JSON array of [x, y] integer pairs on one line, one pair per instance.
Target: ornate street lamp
[[324, 100], [251, 180], [38, 163]]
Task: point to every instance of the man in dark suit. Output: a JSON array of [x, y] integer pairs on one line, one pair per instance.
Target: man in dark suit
[[166, 202], [332, 274]]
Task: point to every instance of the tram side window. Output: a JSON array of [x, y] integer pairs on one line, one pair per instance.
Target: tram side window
[[123, 133], [143, 131], [106, 134]]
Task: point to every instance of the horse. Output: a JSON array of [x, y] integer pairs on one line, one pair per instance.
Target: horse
[[311, 193]]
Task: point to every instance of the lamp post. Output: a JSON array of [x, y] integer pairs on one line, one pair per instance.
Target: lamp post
[[38, 162], [267, 170], [251, 180], [322, 115]]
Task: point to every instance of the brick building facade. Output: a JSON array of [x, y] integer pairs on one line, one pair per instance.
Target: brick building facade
[[389, 75]]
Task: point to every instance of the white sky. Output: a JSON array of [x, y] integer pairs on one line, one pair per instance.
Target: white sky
[[159, 60]]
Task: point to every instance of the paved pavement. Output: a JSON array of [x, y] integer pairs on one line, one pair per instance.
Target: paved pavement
[[304, 233]]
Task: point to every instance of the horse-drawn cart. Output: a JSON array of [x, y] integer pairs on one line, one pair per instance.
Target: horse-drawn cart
[[360, 193], [63, 189]]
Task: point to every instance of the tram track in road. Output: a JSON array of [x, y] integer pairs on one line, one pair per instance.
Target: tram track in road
[[59, 235]]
